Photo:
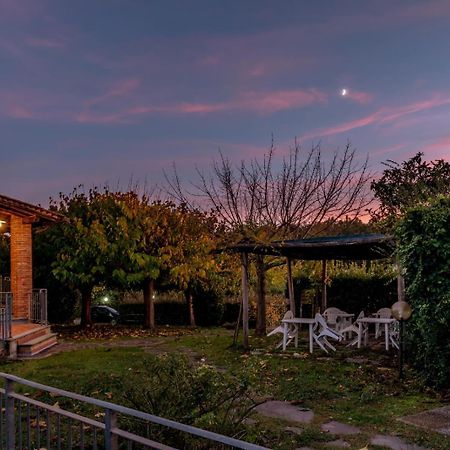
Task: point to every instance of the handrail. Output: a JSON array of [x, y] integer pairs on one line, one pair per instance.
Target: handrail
[[108, 406]]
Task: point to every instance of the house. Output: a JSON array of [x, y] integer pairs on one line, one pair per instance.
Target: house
[[23, 310]]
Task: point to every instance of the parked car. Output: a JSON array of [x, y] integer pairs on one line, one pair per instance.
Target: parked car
[[105, 314]]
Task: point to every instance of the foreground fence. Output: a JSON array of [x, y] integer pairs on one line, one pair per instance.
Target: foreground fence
[[35, 416]]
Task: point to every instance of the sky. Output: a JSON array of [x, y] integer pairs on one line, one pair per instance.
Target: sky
[[105, 91]]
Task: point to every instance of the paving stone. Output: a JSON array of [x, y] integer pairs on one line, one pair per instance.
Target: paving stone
[[339, 428], [294, 430], [249, 421], [394, 443], [357, 360], [339, 443], [437, 420], [286, 411]]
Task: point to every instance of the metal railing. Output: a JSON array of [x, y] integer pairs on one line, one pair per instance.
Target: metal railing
[[5, 315], [5, 284], [38, 306], [27, 423]]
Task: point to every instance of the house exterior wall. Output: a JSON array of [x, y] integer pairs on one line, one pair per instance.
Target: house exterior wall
[[21, 266]]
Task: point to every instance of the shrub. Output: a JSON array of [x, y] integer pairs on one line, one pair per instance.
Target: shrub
[[169, 386], [424, 250]]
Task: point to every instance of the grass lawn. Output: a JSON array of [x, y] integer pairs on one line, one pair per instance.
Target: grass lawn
[[365, 394]]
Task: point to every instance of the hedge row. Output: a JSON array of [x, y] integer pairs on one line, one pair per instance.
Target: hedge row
[[368, 292], [424, 236]]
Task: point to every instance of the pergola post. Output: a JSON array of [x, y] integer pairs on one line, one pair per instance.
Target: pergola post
[[245, 300], [290, 286], [324, 285]]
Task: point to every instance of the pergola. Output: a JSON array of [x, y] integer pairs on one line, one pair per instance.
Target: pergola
[[343, 248]]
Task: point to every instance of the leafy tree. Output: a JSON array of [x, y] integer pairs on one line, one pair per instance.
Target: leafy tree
[[424, 248], [93, 242], [413, 182], [263, 199], [193, 260]]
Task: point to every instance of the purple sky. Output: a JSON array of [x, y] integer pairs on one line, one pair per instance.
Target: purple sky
[[103, 90]]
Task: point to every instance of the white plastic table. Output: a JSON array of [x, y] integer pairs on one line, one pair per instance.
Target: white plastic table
[[379, 320], [296, 321], [342, 323]]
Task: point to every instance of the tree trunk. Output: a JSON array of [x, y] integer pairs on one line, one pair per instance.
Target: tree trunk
[[261, 296], [190, 307], [149, 304], [86, 300]]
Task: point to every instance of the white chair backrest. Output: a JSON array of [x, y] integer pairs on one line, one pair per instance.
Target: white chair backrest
[[321, 320], [332, 310], [288, 315], [360, 315], [385, 313], [330, 315]]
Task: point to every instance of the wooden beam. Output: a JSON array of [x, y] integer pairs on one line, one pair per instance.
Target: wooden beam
[[290, 286], [245, 300], [324, 285], [30, 219]]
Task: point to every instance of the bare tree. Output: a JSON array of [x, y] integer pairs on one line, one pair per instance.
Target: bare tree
[[264, 199]]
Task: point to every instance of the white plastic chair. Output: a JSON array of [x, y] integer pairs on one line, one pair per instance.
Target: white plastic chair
[[321, 333], [354, 328], [383, 313], [330, 315], [292, 330], [394, 334]]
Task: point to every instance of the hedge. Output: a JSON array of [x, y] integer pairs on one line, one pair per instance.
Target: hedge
[[352, 292], [424, 250]]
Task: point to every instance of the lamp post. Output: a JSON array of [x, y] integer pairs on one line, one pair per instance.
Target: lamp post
[[402, 311]]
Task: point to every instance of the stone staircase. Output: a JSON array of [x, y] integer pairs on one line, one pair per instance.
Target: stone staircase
[[34, 341]]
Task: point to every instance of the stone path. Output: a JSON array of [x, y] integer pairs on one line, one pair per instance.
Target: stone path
[[289, 412], [394, 443], [285, 411], [437, 420]]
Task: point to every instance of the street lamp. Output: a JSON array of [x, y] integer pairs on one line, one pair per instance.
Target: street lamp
[[401, 311]]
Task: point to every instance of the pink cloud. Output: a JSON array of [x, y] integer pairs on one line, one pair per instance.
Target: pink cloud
[[360, 97], [259, 102], [46, 43], [118, 89], [440, 147], [381, 116], [19, 112]]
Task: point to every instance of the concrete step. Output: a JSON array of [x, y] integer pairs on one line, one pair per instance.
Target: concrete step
[[38, 344], [33, 333]]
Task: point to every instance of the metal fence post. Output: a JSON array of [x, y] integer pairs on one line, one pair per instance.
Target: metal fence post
[[111, 441], [9, 413]]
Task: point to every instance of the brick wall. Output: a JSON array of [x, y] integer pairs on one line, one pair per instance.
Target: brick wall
[[21, 266]]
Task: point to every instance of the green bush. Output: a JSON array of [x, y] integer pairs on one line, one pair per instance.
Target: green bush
[[424, 249], [170, 386]]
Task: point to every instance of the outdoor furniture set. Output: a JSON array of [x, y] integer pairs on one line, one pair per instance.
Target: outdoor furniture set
[[337, 325]]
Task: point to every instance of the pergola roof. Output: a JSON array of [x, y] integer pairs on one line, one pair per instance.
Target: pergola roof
[[19, 208], [352, 247]]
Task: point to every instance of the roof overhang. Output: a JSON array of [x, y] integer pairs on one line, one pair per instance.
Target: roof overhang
[[30, 213], [354, 247]]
